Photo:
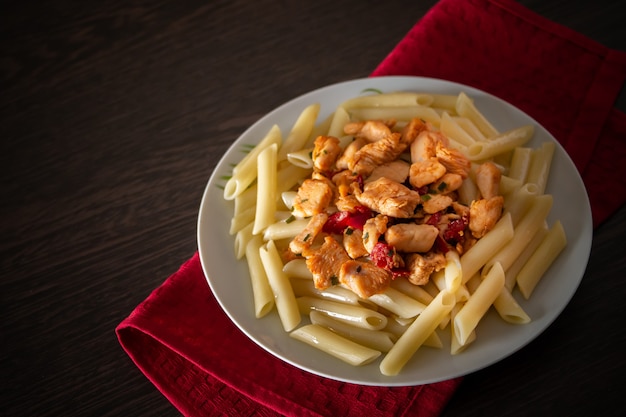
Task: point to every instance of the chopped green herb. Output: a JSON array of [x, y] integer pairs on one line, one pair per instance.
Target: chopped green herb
[[372, 90], [366, 236], [426, 197], [290, 219], [359, 269], [442, 186], [349, 231], [334, 280], [308, 235]]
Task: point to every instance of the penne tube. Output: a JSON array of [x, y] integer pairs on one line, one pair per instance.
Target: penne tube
[[518, 203], [445, 102], [245, 172], [469, 127], [479, 302], [465, 107], [510, 275], [296, 268], [540, 164], [457, 347], [285, 300], [283, 229], [306, 288], [532, 221], [266, 189], [301, 158], [411, 340], [242, 239], [397, 303], [289, 176], [398, 113], [509, 185], [348, 313], [261, 290], [509, 309], [504, 142], [300, 132], [468, 191], [415, 291], [478, 255], [339, 120], [335, 345], [449, 127], [245, 200], [520, 163], [397, 329], [374, 339], [241, 220], [389, 100], [536, 266]]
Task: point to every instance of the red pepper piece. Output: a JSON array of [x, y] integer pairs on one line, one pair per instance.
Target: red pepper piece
[[339, 221]]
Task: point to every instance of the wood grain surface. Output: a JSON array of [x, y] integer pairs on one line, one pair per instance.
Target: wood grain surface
[[113, 116]]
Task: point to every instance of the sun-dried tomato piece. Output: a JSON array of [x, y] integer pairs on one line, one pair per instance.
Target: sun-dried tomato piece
[[339, 221]]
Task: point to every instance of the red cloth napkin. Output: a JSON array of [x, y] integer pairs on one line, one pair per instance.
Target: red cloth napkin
[[184, 343]]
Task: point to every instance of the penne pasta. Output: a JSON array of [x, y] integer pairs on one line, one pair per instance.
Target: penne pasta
[[478, 255], [347, 313], [504, 142], [411, 340], [465, 107], [335, 345], [427, 114], [479, 302], [285, 300], [262, 292], [245, 172], [374, 339], [401, 99], [534, 269], [539, 169], [509, 309], [397, 303], [300, 132], [532, 221], [266, 189]]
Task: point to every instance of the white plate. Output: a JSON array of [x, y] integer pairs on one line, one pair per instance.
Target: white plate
[[229, 279]]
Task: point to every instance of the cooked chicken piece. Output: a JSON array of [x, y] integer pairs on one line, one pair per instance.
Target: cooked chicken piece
[[397, 170], [376, 153], [488, 179], [425, 172], [373, 229], [353, 243], [448, 183], [424, 146], [364, 278], [301, 244], [370, 130], [326, 149], [484, 214], [348, 153], [343, 182], [412, 130], [460, 209], [325, 263], [421, 267], [389, 198], [347, 203], [411, 237], [454, 161], [314, 195], [437, 202]]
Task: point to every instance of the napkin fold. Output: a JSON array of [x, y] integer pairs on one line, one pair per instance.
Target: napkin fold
[[184, 343]]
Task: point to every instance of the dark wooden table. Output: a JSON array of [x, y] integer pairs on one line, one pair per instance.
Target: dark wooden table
[[113, 115]]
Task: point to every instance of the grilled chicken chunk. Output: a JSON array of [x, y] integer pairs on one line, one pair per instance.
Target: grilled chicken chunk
[[364, 278], [411, 237], [422, 266], [390, 198], [313, 197], [326, 262]]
